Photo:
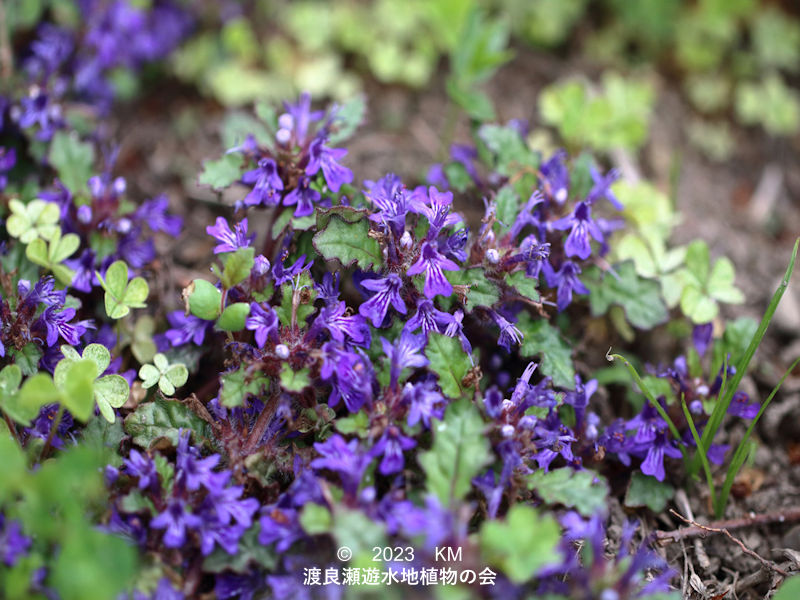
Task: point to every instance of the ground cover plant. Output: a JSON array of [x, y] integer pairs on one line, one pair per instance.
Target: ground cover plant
[[381, 387]]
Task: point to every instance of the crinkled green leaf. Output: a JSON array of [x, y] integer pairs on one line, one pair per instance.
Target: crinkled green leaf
[[348, 243], [450, 363], [459, 452], [236, 386], [640, 298], [648, 491], [72, 159], [522, 544], [237, 266], [545, 340], [294, 381], [481, 292], [585, 491], [163, 418], [222, 172], [525, 286]]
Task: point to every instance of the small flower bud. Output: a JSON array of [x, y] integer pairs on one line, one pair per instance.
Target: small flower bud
[[405, 241], [507, 431], [286, 121], [283, 136], [282, 350], [85, 214], [493, 256]]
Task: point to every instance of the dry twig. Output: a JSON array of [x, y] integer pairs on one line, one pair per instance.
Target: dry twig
[[767, 564]]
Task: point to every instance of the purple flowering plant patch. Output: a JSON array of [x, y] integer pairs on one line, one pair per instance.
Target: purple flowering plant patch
[[357, 364]]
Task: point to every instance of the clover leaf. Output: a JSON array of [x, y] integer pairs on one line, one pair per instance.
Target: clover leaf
[[51, 254], [109, 391], [23, 404], [36, 219], [168, 377], [122, 295]]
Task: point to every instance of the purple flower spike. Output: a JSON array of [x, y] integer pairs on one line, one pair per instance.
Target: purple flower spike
[[231, 240], [266, 182], [264, 321], [322, 157], [582, 226], [556, 177], [388, 292], [304, 196], [432, 263]]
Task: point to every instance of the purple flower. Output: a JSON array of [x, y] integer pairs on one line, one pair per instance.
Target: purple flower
[[429, 318], [741, 406], [425, 402], [228, 505], [267, 184], [508, 333], [566, 280], [264, 321], [13, 543], [339, 324], [186, 328], [344, 458], [391, 198], [581, 227], [391, 446], [388, 292], [556, 177], [320, 156], [8, 158], [175, 520], [653, 464], [231, 240], [300, 116], [214, 532], [43, 292], [534, 254], [701, 337], [404, 353], [57, 324], [304, 196], [435, 206], [602, 187], [431, 263], [154, 212], [283, 274], [194, 471], [142, 467], [351, 375], [84, 267]]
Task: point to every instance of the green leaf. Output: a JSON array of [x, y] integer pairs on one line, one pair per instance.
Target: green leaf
[[357, 531], [61, 248], [315, 519], [720, 283], [545, 340], [27, 358], [521, 545], [75, 380], [639, 298], [34, 220], [149, 376], [294, 381], [167, 376], [525, 286], [177, 375], [348, 243], [789, 590], [142, 344], [122, 295], [104, 436], [507, 204], [583, 490], [237, 266], [649, 492], [511, 152], [346, 119], [72, 159], [459, 452], [37, 391], [49, 255], [450, 363], [697, 306], [222, 172], [482, 292], [162, 419], [233, 317], [250, 553], [97, 353], [236, 386], [204, 300]]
